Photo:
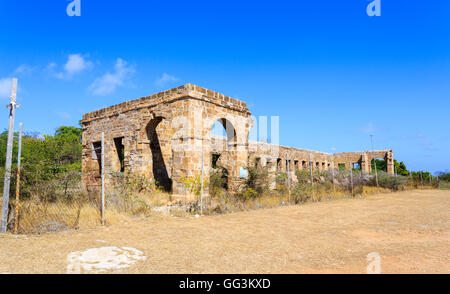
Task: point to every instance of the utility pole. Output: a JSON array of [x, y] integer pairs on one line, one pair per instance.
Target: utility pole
[[375, 163], [103, 178], [12, 111], [16, 215]]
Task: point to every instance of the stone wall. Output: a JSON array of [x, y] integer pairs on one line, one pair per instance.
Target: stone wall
[[163, 136]]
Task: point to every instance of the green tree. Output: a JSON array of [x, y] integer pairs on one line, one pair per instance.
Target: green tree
[[401, 168]]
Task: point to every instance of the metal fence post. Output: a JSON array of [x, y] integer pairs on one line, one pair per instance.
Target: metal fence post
[[201, 192], [103, 178]]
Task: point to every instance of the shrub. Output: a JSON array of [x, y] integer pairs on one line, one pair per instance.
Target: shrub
[[193, 184], [218, 181], [257, 179], [389, 181], [281, 182], [249, 193]]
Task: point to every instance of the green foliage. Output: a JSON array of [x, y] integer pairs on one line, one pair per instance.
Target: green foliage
[[218, 181], [257, 179], [256, 183], [381, 164], [303, 190], [43, 159], [249, 193], [421, 176], [389, 181], [401, 168], [444, 176], [281, 181], [193, 184]]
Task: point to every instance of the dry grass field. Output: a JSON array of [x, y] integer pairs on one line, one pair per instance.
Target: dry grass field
[[410, 230]]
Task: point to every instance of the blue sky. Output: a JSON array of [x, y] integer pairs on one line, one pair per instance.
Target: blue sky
[[329, 71]]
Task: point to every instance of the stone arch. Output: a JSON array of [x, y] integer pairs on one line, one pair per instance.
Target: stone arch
[[230, 130], [158, 134], [222, 150]]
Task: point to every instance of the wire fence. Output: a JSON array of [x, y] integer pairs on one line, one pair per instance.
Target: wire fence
[[62, 203], [54, 205], [443, 185]]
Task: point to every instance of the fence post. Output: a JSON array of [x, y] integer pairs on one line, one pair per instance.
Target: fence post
[[16, 216], [351, 176], [311, 171], [103, 178], [288, 182], [421, 179], [201, 192], [332, 174]]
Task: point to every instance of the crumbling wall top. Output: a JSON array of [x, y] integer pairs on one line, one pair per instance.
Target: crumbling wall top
[[187, 90]]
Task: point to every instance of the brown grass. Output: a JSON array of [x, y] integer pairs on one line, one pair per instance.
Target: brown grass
[[410, 230]]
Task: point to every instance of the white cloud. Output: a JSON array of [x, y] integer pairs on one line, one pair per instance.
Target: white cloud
[[5, 87], [164, 79], [75, 64], [108, 83]]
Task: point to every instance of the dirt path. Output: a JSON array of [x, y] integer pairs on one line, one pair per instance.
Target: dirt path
[[410, 231]]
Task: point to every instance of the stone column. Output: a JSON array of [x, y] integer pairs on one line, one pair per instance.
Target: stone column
[[390, 162], [365, 163]]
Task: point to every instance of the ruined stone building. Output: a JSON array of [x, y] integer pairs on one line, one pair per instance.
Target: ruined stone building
[[164, 136]]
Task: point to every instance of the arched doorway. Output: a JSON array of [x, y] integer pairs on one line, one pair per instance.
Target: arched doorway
[[223, 152], [160, 148], [380, 164]]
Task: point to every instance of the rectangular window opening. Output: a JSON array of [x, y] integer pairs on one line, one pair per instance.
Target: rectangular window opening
[[214, 158], [118, 142], [97, 154]]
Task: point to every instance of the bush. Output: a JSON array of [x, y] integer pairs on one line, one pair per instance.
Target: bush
[[218, 181], [389, 181], [281, 182], [257, 179], [193, 184], [249, 193]]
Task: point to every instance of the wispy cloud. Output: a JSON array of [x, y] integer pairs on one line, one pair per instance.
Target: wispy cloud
[[418, 139], [370, 128], [76, 63], [23, 69], [5, 87], [108, 83], [165, 79], [64, 115]]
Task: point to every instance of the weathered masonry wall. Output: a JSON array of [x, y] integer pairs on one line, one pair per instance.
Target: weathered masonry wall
[[163, 136], [364, 159]]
